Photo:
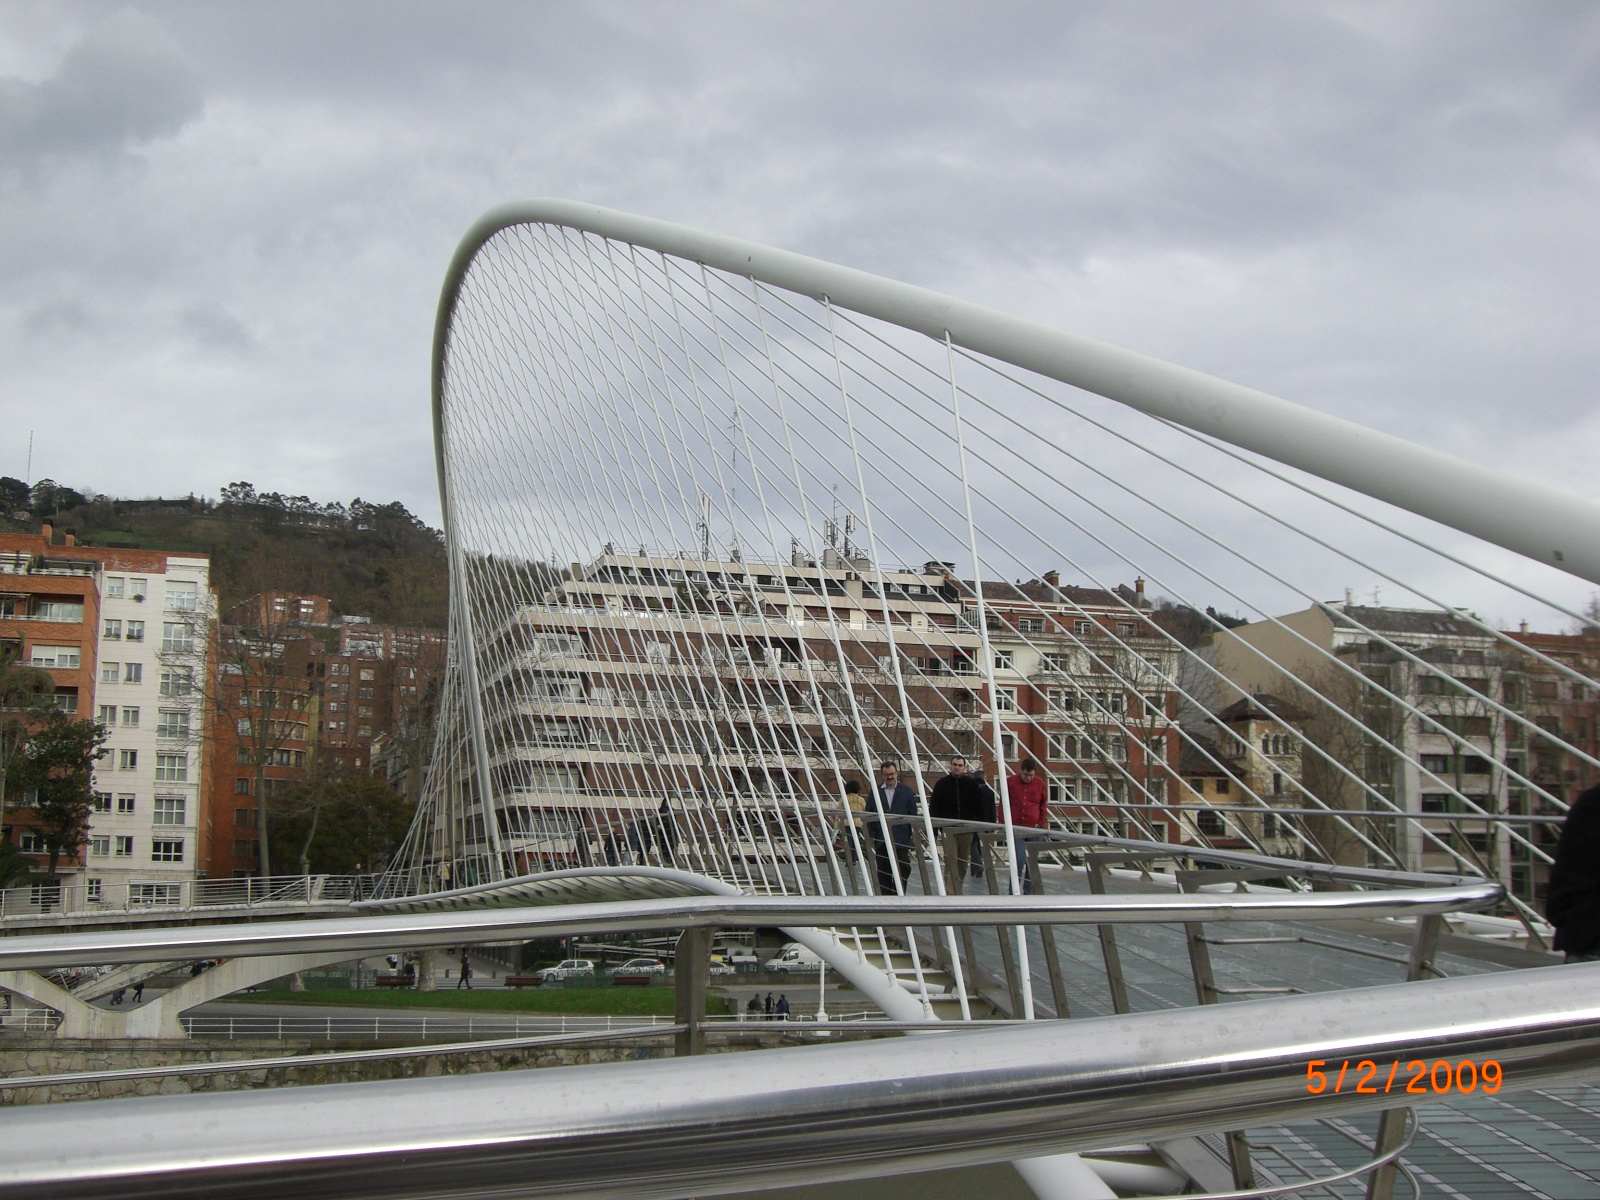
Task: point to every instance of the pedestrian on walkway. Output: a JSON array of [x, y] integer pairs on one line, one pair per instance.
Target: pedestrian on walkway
[[1573, 903], [767, 1007], [116, 996], [782, 1009], [891, 798], [1030, 805], [466, 973], [960, 796], [138, 992]]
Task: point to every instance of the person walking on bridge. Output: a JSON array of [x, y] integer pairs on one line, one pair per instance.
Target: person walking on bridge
[[891, 798], [1030, 809], [466, 973], [960, 797], [1573, 905]]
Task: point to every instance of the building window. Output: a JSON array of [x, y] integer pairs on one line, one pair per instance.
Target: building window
[[244, 848], [127, 760], [172, 768], [136, 631], [1005, 699], [126, 801], [241, 787], [132, 672], [1210, 824], [1223, 787], [244, 818], [1002, 660], [242, 755], [155, 893], [110, 672], [1061, 746], [59, 658], [65, 700], [95, 894], [169, 810], [181, 596], [130, 717], [164, 850], [364, 694], [172, 723], [113, 630], [1125, 629], [114, 586], [176, 638], [138, 589], [176, 683], [108, 714], [124, 847], [1030, 625], [364, 710], [101, 802], [100, 847], [244, 726], [32, 843], [368, 673], [364, 731], [1083, 628]]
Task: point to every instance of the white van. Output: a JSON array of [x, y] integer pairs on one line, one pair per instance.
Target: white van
[[793, 957]]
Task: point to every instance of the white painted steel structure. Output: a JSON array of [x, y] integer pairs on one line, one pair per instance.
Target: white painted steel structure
[[603, 381]]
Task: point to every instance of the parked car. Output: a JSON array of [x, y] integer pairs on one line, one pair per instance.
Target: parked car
[[740, 957], [719, 967], [567, 968], [793, 957], [639, 971]]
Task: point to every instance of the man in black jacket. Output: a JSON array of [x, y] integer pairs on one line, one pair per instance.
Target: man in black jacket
[[960, 796], [1573, 902]]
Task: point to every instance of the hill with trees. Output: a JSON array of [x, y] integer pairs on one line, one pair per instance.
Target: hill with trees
[[376, 560]]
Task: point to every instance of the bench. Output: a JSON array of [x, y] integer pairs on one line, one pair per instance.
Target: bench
[[394, 980], [518, 981]]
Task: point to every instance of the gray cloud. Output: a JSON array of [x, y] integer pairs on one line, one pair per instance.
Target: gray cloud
[[1381, 210], [126, 82]]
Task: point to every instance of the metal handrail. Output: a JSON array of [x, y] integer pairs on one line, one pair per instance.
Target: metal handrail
[[728, 1123], [479, 926]]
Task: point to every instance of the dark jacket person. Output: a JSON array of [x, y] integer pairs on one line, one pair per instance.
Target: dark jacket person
[[1573, 903]]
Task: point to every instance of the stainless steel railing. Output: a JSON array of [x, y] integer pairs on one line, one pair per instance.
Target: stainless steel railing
[[707, 1126]]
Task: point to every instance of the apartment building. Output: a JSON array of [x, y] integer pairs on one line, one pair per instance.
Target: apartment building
[[649, 680], [1242, 779], [123, 633], [302, 691], [1415, 701]]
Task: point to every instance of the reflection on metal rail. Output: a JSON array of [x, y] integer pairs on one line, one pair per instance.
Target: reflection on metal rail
[[706, 1126], [474, 925]]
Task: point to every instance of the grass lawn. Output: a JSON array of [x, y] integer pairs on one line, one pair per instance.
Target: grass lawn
[[625, 1001]]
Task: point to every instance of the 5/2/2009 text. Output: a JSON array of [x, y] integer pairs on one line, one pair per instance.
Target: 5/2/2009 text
[[1416, 1077]]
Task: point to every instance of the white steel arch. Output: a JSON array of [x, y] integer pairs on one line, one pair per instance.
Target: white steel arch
[[603, 381]]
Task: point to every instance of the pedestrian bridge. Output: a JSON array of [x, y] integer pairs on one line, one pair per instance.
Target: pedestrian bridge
[[729, 529]]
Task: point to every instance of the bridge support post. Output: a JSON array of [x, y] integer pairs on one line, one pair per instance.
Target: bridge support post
[[690, 968]]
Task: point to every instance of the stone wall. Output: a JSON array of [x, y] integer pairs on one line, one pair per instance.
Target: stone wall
[[53, 1056]]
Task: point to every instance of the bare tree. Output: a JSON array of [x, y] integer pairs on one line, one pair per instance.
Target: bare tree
[[251, 677]]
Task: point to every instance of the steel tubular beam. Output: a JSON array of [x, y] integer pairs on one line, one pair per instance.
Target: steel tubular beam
[[713, 1125], [426, 930], [1526, 517]]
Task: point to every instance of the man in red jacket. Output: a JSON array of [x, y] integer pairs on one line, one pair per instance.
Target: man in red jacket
[[1030, 809]]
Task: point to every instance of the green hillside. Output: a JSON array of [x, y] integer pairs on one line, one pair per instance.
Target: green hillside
[[376, 560]]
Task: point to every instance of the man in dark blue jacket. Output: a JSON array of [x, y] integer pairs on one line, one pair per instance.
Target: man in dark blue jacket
[[892, 798], [1573, 902]]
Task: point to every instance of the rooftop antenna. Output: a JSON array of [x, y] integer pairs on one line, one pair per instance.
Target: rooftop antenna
[[703, 527]]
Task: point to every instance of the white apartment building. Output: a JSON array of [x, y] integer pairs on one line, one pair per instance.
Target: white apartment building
[[155, 609]]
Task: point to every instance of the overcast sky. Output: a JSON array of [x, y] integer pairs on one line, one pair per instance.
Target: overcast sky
[[223, 226]]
